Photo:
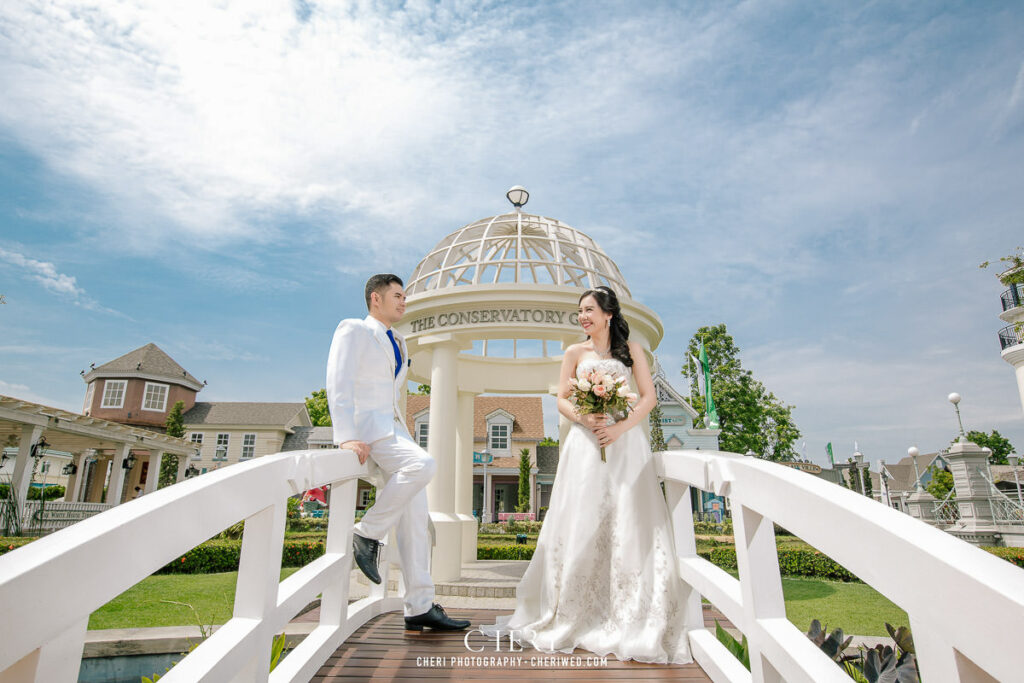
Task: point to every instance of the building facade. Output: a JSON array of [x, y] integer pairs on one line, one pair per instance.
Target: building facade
[[504, 426]]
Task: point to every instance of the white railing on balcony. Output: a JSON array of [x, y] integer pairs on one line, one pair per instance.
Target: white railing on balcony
[[49, 588], [966, 607]]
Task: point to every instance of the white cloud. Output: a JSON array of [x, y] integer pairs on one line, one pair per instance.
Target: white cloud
[[46, 274]]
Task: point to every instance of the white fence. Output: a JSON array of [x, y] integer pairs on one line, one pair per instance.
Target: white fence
[[966, 607], [49, 588]]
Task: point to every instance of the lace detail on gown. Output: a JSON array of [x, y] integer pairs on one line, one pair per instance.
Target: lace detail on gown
[[603, 577]]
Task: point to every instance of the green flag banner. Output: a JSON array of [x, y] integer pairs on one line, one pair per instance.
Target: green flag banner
[[709, 403], [831, 458]]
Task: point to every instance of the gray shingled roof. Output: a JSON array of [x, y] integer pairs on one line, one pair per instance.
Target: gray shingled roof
[[304, 438], [223, 413], [148, 360]]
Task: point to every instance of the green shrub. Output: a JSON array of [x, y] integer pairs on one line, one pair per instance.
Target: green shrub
[[220, 555], [791, 563], [504, 552], [307, 524], [9, 543], [1012, 555]]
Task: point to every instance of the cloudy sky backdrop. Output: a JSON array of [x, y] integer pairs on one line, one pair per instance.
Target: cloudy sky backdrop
[[220, 178]]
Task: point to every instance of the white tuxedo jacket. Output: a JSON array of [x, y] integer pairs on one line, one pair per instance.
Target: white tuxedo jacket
[[363, 393]]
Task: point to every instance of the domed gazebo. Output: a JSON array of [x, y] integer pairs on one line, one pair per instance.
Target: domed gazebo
[[490, 310]]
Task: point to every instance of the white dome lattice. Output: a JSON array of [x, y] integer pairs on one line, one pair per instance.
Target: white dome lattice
[[517, 248]]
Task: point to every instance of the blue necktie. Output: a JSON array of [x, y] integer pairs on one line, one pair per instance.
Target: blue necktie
[[398, 354]]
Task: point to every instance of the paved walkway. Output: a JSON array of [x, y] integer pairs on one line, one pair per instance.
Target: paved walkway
[[382, 650]]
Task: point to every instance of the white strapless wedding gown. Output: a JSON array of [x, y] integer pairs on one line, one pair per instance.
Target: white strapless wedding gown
[[604, 576]]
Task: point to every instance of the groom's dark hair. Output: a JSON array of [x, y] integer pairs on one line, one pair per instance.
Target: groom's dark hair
[[380, 282]]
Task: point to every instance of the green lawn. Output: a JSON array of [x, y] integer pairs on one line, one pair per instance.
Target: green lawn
[[142, 605], [854, 607]]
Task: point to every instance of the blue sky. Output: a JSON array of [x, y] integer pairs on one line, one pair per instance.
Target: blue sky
[[220, 179]]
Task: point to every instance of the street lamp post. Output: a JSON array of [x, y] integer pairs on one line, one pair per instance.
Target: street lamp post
[[1013, 460], [859, 459]]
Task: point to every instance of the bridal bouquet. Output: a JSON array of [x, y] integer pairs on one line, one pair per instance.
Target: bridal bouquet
[[600, 392]]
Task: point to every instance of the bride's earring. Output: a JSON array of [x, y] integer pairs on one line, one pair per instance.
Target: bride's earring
[[608, 322]]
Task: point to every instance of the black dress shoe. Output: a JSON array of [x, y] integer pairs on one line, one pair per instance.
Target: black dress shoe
[[435, 619], [367, 553]]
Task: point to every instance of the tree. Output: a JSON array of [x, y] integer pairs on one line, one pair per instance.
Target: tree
[[657, 436], [524, 481], [175, 425], [319, 410], [941, 482], [1000, 445], [548, 441], [422, 390], [750, 416]]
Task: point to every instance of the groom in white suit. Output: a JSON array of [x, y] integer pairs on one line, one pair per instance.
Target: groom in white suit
[[366, 380]]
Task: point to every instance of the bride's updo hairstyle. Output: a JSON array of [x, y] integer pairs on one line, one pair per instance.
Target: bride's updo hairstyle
[[618, 327]]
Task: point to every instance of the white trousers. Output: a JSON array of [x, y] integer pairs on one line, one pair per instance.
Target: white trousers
[[402, 503]]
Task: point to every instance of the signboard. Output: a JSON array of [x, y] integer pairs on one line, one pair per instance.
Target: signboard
[[803, 466], [482, 458], [673, 421], [495, 316]]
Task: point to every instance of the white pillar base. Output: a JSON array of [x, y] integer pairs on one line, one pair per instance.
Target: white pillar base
[[446, 562], [469, 529]]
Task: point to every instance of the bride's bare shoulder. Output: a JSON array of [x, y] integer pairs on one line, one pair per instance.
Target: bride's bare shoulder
[[576, 350]]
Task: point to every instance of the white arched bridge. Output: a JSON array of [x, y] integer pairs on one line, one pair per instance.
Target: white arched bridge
[[966, 607]]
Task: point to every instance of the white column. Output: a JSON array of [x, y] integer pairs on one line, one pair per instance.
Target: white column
[[153, 474], [447, 557], [534, 507], [116, 483], [464, 453], [75, 482], [464, 475], [183, 461], [23, 465]]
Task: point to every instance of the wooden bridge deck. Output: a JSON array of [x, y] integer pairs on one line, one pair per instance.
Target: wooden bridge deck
[[382, 650]]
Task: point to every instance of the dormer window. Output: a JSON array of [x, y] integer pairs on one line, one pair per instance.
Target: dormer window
[[499, 432], [499, 438], [155, 397]]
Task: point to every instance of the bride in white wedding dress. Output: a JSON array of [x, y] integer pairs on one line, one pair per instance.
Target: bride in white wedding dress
[[604, 576]]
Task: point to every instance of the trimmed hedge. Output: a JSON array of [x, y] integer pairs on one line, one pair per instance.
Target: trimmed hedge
[[504, 551], [1012, 555], [217, 556], [797, 562]]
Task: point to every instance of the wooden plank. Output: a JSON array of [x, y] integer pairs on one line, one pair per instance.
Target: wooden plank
[[383, 650]]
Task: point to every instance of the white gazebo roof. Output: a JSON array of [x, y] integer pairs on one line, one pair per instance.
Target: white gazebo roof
[[517, 248]]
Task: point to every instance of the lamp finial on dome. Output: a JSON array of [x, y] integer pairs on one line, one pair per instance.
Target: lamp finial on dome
[[518, 195]]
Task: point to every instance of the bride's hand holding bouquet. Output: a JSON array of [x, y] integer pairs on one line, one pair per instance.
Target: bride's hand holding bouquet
[[600, 395]]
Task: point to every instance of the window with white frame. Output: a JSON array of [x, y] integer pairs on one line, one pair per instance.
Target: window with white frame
[[422, 432], [248, 445], [113, 393], [196, 438], [499, 438], [89, 393], [222, 447], [155, 397], [364, 498]]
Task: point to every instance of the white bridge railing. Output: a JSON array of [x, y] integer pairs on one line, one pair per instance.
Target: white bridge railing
[[966, 607], [49, 588]]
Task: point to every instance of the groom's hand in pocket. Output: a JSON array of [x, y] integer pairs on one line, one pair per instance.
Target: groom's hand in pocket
[[360, 448]]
